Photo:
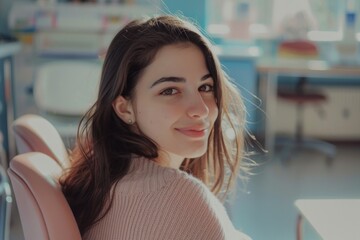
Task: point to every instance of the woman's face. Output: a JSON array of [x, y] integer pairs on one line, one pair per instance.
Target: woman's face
[[174, 102]]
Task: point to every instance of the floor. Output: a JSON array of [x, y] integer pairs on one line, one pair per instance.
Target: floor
[[264, 207]]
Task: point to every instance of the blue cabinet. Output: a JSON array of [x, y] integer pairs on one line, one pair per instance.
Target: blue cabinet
[[195, 10], [243, 72]]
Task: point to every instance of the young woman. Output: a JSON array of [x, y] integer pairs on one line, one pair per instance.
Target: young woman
[[152, 152]]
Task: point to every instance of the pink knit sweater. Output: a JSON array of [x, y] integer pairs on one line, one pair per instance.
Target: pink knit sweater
[[153, 203]]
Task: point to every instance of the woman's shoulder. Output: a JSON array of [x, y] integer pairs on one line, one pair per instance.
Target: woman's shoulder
[[148, 177], [145, 176]]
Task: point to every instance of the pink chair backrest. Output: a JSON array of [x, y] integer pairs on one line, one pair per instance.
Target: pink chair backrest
[[44, 211], [34, 133]]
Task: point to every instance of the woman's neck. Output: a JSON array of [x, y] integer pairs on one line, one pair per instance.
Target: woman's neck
[[169, 160]]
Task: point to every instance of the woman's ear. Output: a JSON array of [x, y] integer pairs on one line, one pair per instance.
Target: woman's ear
[[123, 108]]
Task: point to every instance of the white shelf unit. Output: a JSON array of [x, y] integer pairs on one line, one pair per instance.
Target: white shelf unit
[[74, 29]]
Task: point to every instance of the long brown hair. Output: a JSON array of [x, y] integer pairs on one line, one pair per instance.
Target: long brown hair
[[105, 143]]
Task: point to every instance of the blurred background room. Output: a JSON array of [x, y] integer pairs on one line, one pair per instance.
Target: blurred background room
[[296, 63]]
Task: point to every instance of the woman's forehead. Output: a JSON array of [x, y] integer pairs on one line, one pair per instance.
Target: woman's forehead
[[179, 59]]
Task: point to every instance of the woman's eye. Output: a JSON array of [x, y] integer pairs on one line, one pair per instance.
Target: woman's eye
[[169, 91], [206, 88]]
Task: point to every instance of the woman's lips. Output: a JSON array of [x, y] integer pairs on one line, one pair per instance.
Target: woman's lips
[[193, 132]]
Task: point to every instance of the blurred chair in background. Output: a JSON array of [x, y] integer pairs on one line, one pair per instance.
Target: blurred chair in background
[[44, 211], [63, 91], [300, 95], [34, 133]]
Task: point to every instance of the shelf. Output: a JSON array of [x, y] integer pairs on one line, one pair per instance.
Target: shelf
[[72, 17]]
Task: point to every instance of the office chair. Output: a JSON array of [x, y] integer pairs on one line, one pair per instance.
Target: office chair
[[34, 133], [302, 94], [64, 90], [43, 209]]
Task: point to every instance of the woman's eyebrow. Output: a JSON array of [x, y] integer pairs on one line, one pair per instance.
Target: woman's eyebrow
[[168, 79], [177, 79], [206, 76]]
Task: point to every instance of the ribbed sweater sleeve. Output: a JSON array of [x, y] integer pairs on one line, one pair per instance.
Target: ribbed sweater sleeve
[[155, 203]]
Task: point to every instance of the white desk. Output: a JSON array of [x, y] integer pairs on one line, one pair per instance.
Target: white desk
[[269, 71], [333, 219]]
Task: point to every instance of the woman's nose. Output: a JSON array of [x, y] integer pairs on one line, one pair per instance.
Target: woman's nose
[[197, 107]]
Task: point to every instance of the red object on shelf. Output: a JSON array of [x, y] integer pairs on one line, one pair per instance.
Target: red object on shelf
[[298, 48]]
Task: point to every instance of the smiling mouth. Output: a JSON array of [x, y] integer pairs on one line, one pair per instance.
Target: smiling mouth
[[195, 133]]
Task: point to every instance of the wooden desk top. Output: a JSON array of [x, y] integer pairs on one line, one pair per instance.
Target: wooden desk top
[[333, 219]]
